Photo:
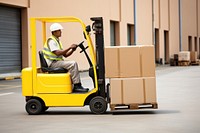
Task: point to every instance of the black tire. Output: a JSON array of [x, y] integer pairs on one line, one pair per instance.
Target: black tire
[[98, 105], [34, 107]]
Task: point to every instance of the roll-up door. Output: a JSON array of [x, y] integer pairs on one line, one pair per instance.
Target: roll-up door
[[10, 40]]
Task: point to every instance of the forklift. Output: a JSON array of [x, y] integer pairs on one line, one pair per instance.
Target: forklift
[[45, 87]]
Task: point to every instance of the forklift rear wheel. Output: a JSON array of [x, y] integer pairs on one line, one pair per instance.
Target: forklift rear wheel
[[98, 105], [33, 107]]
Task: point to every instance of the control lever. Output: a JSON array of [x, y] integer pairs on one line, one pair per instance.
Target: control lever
[[84, 49], [80, 45]]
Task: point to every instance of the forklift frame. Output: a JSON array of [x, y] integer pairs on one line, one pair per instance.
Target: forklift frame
[[33, 80]]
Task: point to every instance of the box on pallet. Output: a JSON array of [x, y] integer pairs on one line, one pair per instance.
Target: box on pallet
[[193, 56], [111, 62], [131, 70], [116, 91], [147, 60], [133, 90], [184, 56], [150, 89], [129, 61]]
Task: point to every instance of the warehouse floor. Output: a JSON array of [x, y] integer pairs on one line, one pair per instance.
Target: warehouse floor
[[178, 109]]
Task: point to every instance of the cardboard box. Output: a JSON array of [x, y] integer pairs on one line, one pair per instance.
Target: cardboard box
[[133, 90], [116, 90], [111, 62], [184, 56], [147, 57], [150, 89], [129, 61], [193, 56]]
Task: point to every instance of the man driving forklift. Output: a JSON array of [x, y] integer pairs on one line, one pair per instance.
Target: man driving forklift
[[53, 53]]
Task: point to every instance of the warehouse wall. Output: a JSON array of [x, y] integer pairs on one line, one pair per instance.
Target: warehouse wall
[[156, 12], [162, 31], [164, 27], [174, 35], [198, 25], [144, 23], [189, 23], [127, 17], [169, 29], [20, 3]]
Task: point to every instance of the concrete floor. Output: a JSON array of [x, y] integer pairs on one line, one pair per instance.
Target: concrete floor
[[178, 109]]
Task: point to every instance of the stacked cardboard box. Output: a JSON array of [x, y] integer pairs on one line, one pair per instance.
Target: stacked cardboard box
[[131, 70], [122, 62], [193, 56], [111, 62], [184, 56]]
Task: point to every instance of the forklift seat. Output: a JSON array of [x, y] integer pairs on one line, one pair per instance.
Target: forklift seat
[[45, 68]]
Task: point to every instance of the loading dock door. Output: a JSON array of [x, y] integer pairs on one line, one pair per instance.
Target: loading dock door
[[10, 39]]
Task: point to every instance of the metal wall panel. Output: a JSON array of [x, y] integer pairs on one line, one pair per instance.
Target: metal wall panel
[[10, 39]]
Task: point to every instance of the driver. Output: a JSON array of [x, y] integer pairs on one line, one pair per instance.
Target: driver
[[54, 52]]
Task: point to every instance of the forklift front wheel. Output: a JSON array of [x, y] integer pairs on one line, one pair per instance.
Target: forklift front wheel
[[98, 105], [33, 107]]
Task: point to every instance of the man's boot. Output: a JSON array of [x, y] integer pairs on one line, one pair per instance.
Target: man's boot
[[79, 88]]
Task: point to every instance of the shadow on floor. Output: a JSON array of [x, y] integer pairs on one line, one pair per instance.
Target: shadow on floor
[[145, 112], [120, 112]]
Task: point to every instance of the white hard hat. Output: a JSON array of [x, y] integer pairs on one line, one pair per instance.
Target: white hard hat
[[55, 26]]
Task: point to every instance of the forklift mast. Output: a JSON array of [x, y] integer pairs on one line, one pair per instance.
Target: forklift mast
[[99, 40]]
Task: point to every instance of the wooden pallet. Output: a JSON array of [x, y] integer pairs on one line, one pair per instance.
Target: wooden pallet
[[183, 63], [194, 63], [133, 106]]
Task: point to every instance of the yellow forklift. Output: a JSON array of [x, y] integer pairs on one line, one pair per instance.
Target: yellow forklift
[[45, 87]]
